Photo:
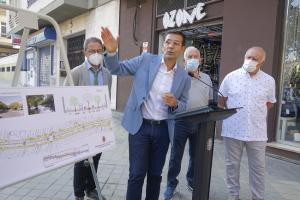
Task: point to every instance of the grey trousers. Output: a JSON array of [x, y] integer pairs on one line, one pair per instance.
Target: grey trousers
[[256, 163]]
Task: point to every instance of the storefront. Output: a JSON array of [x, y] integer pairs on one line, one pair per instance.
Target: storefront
[[289, 95], [223, 31], [40, 58]]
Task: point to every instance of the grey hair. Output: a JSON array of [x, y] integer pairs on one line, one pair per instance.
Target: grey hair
[[90, 40], [188, 49]]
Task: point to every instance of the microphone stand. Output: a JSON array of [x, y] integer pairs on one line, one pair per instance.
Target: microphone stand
[[213, 104]]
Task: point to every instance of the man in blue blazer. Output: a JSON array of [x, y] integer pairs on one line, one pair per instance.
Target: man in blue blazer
[[160, 89]]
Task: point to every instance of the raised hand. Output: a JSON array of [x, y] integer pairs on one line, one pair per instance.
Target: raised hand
[[109, 41]]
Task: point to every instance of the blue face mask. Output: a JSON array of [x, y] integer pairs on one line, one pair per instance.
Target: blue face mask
[[192, 64]]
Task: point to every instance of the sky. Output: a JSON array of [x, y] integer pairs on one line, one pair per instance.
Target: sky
[[9, 99]]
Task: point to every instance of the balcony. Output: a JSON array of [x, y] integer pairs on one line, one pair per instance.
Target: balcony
[[62, 10]]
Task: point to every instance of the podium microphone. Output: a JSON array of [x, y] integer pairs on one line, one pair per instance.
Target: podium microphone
[[211, 103]]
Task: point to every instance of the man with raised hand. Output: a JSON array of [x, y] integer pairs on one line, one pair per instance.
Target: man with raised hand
[[160, 89]]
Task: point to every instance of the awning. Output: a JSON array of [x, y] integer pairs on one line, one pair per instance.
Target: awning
[[45, 35]]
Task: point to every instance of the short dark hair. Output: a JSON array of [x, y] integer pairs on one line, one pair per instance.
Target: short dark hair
[[178, 33], [90, 40]]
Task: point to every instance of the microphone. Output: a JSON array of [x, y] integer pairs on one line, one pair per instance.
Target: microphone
[[211, 103]]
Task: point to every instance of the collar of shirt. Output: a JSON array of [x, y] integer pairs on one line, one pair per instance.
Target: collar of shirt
[[89, 66], [163, 67]]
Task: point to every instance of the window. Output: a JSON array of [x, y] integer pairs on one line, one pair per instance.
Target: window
[[30, 2], [3, 29], [75, 47], [8, 69], [195, 2], [13, 68], [169, 5], [289, 116]]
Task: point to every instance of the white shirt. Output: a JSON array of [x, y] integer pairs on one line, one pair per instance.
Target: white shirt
[[200, 93], [251, 93], [154, 106]]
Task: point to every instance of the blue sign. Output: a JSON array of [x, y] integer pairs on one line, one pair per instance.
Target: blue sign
[[48, 33]]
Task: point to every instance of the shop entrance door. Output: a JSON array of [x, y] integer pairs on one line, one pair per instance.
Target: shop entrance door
[[208, 39], [45, 66], [31, 68]]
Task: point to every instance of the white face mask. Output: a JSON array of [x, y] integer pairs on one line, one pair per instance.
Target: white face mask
[[250, 65], [96, 59]]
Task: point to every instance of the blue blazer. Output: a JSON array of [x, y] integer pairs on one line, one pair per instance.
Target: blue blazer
[[144, 69]]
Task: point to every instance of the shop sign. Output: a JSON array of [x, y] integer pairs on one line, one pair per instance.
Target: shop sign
[[47, 33], [181, 16]]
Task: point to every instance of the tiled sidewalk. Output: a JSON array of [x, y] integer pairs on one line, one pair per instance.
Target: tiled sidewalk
[[282, 178]]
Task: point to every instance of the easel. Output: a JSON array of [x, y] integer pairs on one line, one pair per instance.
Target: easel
[[29, 20]]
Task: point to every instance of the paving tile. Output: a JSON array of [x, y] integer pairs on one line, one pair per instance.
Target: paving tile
[[22, 191], [29, 198], [62, 195], [8, 190], [49, 193], [3, 196], [14, 197], [35, 192]]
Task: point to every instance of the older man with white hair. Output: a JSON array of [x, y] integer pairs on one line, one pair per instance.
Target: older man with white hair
[[253, 90], [199, 95]]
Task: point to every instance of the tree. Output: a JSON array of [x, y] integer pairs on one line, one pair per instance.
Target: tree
[[87, 97], [73, 102], [97, 100], [34, 100], [48, 102], [15, 106], [3, 106]]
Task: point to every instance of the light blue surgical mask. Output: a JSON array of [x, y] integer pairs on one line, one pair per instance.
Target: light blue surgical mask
[[192, 64]]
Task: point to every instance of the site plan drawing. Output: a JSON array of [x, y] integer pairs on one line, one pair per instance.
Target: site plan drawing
[[46, 128]]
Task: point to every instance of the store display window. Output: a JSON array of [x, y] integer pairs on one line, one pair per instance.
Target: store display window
[[289, 115]]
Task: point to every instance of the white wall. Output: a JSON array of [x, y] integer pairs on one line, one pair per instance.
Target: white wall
[[90, 23], [36, 6]]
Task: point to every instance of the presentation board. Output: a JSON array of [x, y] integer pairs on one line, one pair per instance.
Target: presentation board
[[42, 129]]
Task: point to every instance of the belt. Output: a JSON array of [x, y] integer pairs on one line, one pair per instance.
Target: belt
[[154, 122]]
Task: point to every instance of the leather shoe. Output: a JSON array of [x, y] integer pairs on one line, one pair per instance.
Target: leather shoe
[[93, 195]]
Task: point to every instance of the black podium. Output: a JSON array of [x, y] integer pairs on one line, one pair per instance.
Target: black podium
[[205, 117]]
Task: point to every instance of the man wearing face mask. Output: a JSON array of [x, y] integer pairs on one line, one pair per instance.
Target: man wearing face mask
[[199, 95], [91, 72], [253, 90]]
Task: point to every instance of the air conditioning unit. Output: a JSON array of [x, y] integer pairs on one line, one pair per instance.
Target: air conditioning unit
[[13, 23]]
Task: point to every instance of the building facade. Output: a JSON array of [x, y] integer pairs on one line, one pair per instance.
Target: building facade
[[223, 31], [6, 47], [43, 65]]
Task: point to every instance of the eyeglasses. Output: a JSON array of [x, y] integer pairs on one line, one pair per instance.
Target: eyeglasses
[[91, 51]]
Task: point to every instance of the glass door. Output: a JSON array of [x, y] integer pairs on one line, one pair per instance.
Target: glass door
[[289, 116]]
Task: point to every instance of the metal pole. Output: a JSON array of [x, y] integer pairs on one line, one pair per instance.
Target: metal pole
[[20, 57], [57, 64], [91, 162], [58, 33]]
